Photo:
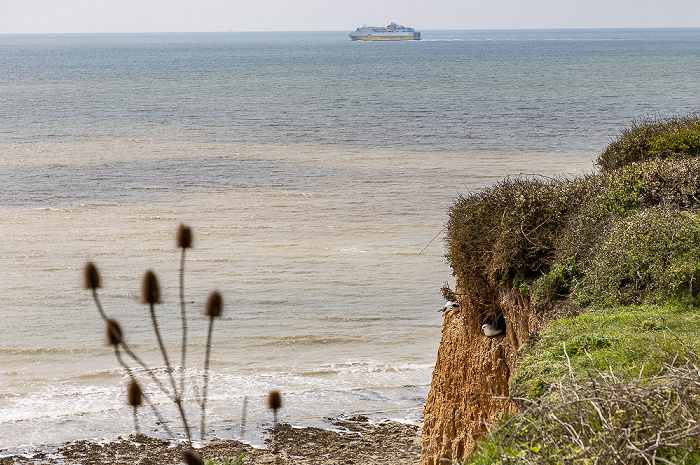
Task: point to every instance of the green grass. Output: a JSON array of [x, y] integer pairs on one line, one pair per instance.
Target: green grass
[[603, 386], [632, 340]]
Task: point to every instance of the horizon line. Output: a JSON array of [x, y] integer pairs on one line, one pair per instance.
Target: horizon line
[[345, 30]]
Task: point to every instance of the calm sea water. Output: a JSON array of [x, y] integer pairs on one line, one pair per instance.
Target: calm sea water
[[314, 171]]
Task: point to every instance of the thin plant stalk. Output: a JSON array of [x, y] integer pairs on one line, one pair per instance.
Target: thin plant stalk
[[130, 372], [135, 399], [184, 242], [206, 373], [99, 305], [162, 349], [274, 402], [136, 420], [183, 317], [243, 416], [176, 396], [213, 309]]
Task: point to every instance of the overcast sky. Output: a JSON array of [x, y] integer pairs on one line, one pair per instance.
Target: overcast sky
[[61, 16]]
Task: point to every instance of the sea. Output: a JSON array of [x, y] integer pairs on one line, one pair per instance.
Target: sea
[[316, 173]]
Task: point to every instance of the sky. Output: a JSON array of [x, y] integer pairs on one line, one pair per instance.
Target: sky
[[91, 16]]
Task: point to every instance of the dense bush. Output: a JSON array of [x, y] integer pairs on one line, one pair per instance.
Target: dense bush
[[551, 238], [510, 229], [604, 385], [652, 254], [653, 138]]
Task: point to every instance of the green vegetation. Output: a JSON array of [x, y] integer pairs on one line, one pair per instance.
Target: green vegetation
[[617, 380], [623, 236], [650, 139], [635, 340], [605, 418], [616, 384], [238, 461]]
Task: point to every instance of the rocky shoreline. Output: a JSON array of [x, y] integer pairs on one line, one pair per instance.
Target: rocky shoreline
[[350, 441]]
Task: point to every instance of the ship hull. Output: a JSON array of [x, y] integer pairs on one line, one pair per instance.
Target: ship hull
[[383, 38]]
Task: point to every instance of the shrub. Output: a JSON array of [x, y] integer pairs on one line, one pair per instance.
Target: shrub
[[507, 230], [543, 236], [652, 255], [653, 138], [559, 282]]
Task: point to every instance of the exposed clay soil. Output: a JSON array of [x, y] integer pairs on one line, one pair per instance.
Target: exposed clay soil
[[355, 441]]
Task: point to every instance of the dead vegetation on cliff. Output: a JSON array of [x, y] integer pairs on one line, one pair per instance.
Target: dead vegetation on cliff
[[605, 419]]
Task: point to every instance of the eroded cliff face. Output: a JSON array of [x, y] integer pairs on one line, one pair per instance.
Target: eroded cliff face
[[469, 390]]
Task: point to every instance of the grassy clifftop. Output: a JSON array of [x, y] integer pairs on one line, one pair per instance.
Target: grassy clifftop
[[613, 261]]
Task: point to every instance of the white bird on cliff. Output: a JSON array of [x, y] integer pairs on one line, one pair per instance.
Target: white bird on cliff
[[491, 330], [449, 306]]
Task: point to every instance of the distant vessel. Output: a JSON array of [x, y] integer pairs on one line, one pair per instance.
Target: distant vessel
[[391, 32]]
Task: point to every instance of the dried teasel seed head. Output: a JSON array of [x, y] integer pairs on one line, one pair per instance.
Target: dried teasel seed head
[[274, 400], [150, 290], [114, 332], [214, 305], [184, 237], [91, 276], [134, 395], [192, 457]]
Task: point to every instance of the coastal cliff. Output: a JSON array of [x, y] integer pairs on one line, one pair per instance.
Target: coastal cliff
[[528, 252], [469, 391]]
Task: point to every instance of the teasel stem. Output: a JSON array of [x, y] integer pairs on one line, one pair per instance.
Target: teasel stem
[[136, 420], [135, 398], [184, 239], [150, 294], [176, 396], [96, 298], [212, 310], [274, 403], [243, 416], [184, 322], [130, 372], [162, 350]]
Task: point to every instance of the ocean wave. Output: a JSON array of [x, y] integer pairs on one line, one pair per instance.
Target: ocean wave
[[306, 340]]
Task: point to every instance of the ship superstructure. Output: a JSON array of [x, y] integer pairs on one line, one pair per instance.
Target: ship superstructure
[[391, 32]]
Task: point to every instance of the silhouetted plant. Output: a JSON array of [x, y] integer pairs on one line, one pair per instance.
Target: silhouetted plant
[[150, 295], [134, 398], [212, 310], [184, 242], [274, 403]]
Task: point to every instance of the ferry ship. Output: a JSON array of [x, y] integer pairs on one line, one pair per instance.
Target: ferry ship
[[391, 32]]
